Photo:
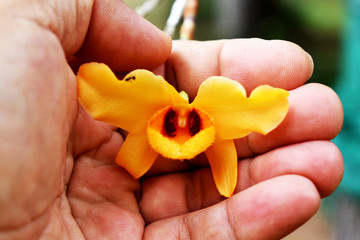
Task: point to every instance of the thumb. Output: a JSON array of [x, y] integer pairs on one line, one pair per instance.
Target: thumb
[[122, 39]]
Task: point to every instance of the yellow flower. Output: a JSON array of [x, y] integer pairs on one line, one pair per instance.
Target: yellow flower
[[162, 121]]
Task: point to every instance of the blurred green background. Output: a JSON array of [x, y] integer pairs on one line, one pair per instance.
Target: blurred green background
[[316, 25]]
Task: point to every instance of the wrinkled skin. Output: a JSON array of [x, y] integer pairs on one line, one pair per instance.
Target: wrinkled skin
[[58, 179]]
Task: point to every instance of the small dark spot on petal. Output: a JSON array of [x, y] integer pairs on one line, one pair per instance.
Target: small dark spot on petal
[[130, 78]]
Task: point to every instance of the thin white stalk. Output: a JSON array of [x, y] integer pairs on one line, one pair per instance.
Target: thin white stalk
[[176, 13]]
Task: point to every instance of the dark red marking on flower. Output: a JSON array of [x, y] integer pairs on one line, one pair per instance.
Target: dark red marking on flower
[[194, 123], [170, 123]]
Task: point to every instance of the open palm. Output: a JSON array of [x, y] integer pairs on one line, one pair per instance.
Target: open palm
[[58, 176]]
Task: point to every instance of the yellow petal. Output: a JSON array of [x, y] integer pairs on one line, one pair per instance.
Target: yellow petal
[[222, 158], [236, 115], [128, 103], [180, 132], [136, 155]]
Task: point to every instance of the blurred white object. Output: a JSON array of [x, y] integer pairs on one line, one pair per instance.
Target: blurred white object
[[176, 13]]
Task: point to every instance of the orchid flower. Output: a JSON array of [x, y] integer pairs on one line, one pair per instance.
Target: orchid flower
[[159, 120]]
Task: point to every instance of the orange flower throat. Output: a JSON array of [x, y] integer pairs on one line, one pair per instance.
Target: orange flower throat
[[176, 126]]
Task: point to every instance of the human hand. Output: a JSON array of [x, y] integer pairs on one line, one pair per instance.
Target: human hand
[[58, 176]]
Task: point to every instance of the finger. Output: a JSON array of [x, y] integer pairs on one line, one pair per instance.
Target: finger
[[84, 130], [66, 20], [319, 161], [269, 210], [192, 191], [105, 30], [252, 62], [315, 113], [122, 39]]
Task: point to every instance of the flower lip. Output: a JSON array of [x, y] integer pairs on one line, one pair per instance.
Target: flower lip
[[184, 129]]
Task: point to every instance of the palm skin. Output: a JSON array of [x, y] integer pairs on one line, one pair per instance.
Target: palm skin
[[58, 176]]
